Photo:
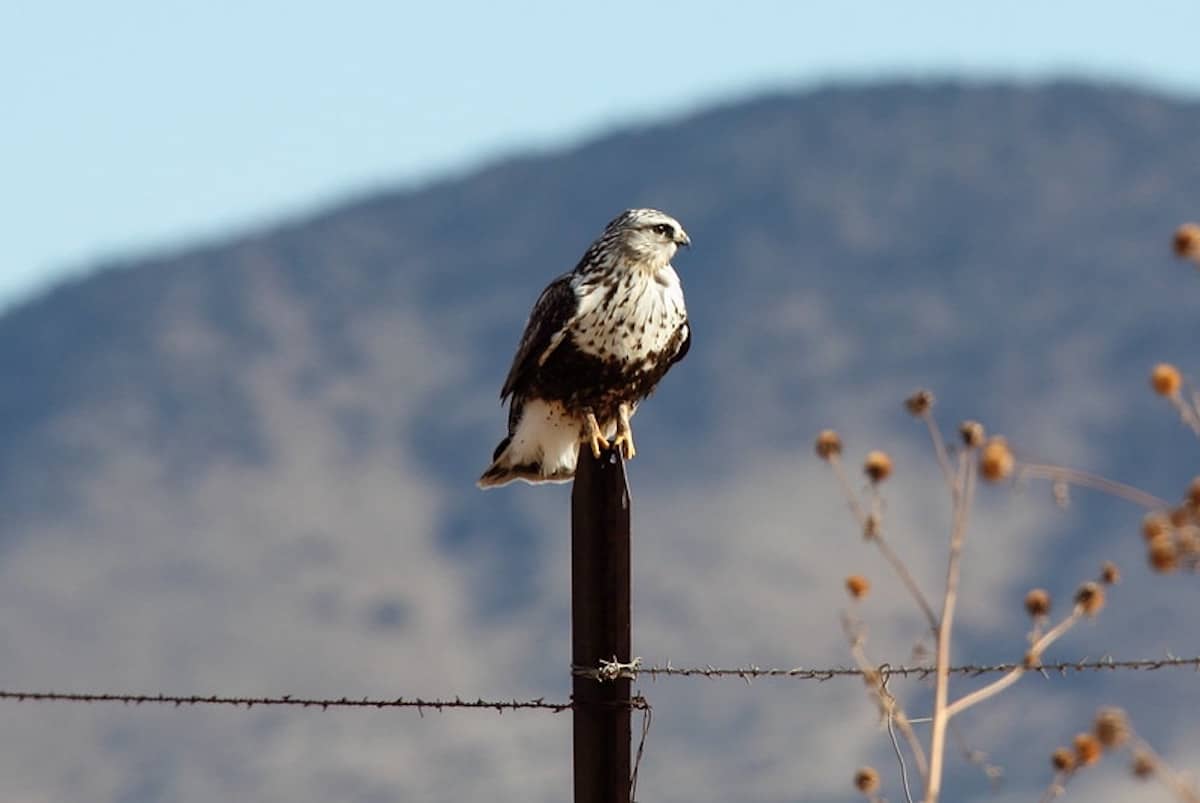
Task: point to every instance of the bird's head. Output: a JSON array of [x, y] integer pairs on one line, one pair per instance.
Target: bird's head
[[647, 236]]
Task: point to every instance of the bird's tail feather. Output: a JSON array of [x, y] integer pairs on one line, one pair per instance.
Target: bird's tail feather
[[498, 475], [543, 448], [506, 468]]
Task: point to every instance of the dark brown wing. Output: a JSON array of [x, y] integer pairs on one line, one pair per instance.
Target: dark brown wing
[[543, 332], [682, 351]]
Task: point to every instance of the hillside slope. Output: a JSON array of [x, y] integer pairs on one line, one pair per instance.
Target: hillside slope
[[248, 467]]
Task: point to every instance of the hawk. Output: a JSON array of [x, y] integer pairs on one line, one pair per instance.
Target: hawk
[[599, 339]]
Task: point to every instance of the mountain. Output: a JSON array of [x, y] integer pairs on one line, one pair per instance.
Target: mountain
[[248, 467]]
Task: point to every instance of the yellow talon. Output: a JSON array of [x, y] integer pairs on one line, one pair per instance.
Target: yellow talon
[[624, 439], [595, 437]]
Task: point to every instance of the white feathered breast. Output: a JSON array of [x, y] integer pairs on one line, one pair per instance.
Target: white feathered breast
[[636, 323]]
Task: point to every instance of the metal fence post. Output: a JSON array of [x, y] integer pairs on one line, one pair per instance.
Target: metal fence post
[[600, 627]]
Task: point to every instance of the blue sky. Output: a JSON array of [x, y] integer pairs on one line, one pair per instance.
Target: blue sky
[[136, 126]]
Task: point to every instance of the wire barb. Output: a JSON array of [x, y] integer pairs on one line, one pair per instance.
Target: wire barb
[[609, 671]]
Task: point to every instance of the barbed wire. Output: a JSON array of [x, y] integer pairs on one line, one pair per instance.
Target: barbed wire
[[1063, 668], [323, 703], [602, 674]]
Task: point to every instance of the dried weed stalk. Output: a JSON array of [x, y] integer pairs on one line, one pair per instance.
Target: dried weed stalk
[[1172, 536], [991, 459]]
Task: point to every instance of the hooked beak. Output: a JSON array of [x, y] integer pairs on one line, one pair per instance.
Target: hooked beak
[[683, 239]]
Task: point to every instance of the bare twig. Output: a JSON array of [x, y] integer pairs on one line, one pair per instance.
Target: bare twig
[[937, 739], [993, 772], [848, 492], [1014, 674], [1084, 479], [1180, 786], [910, 583], [1057, 787], [939, 448], [889, 706], [871, 525], [1187, 411]]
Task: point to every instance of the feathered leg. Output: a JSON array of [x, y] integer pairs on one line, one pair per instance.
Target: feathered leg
[[624, 439], [594, 435]]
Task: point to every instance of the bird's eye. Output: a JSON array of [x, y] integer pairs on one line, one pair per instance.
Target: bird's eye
[[665, 230]]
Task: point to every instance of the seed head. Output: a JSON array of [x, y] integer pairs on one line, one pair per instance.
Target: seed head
[[1181, 516], [1090, 598], [1062, 760], [1163, 556], [1111, 728], [972, 434], [866, 780], [858, 586], [1154, 525], [996, 460], [829, 444], [1087, 749], [1193, 492], [1110, 575], [1187, 241], [1165, 379], [1143, 765], [878, 466], [1187, 541], [1037, 602], [919, 403]]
